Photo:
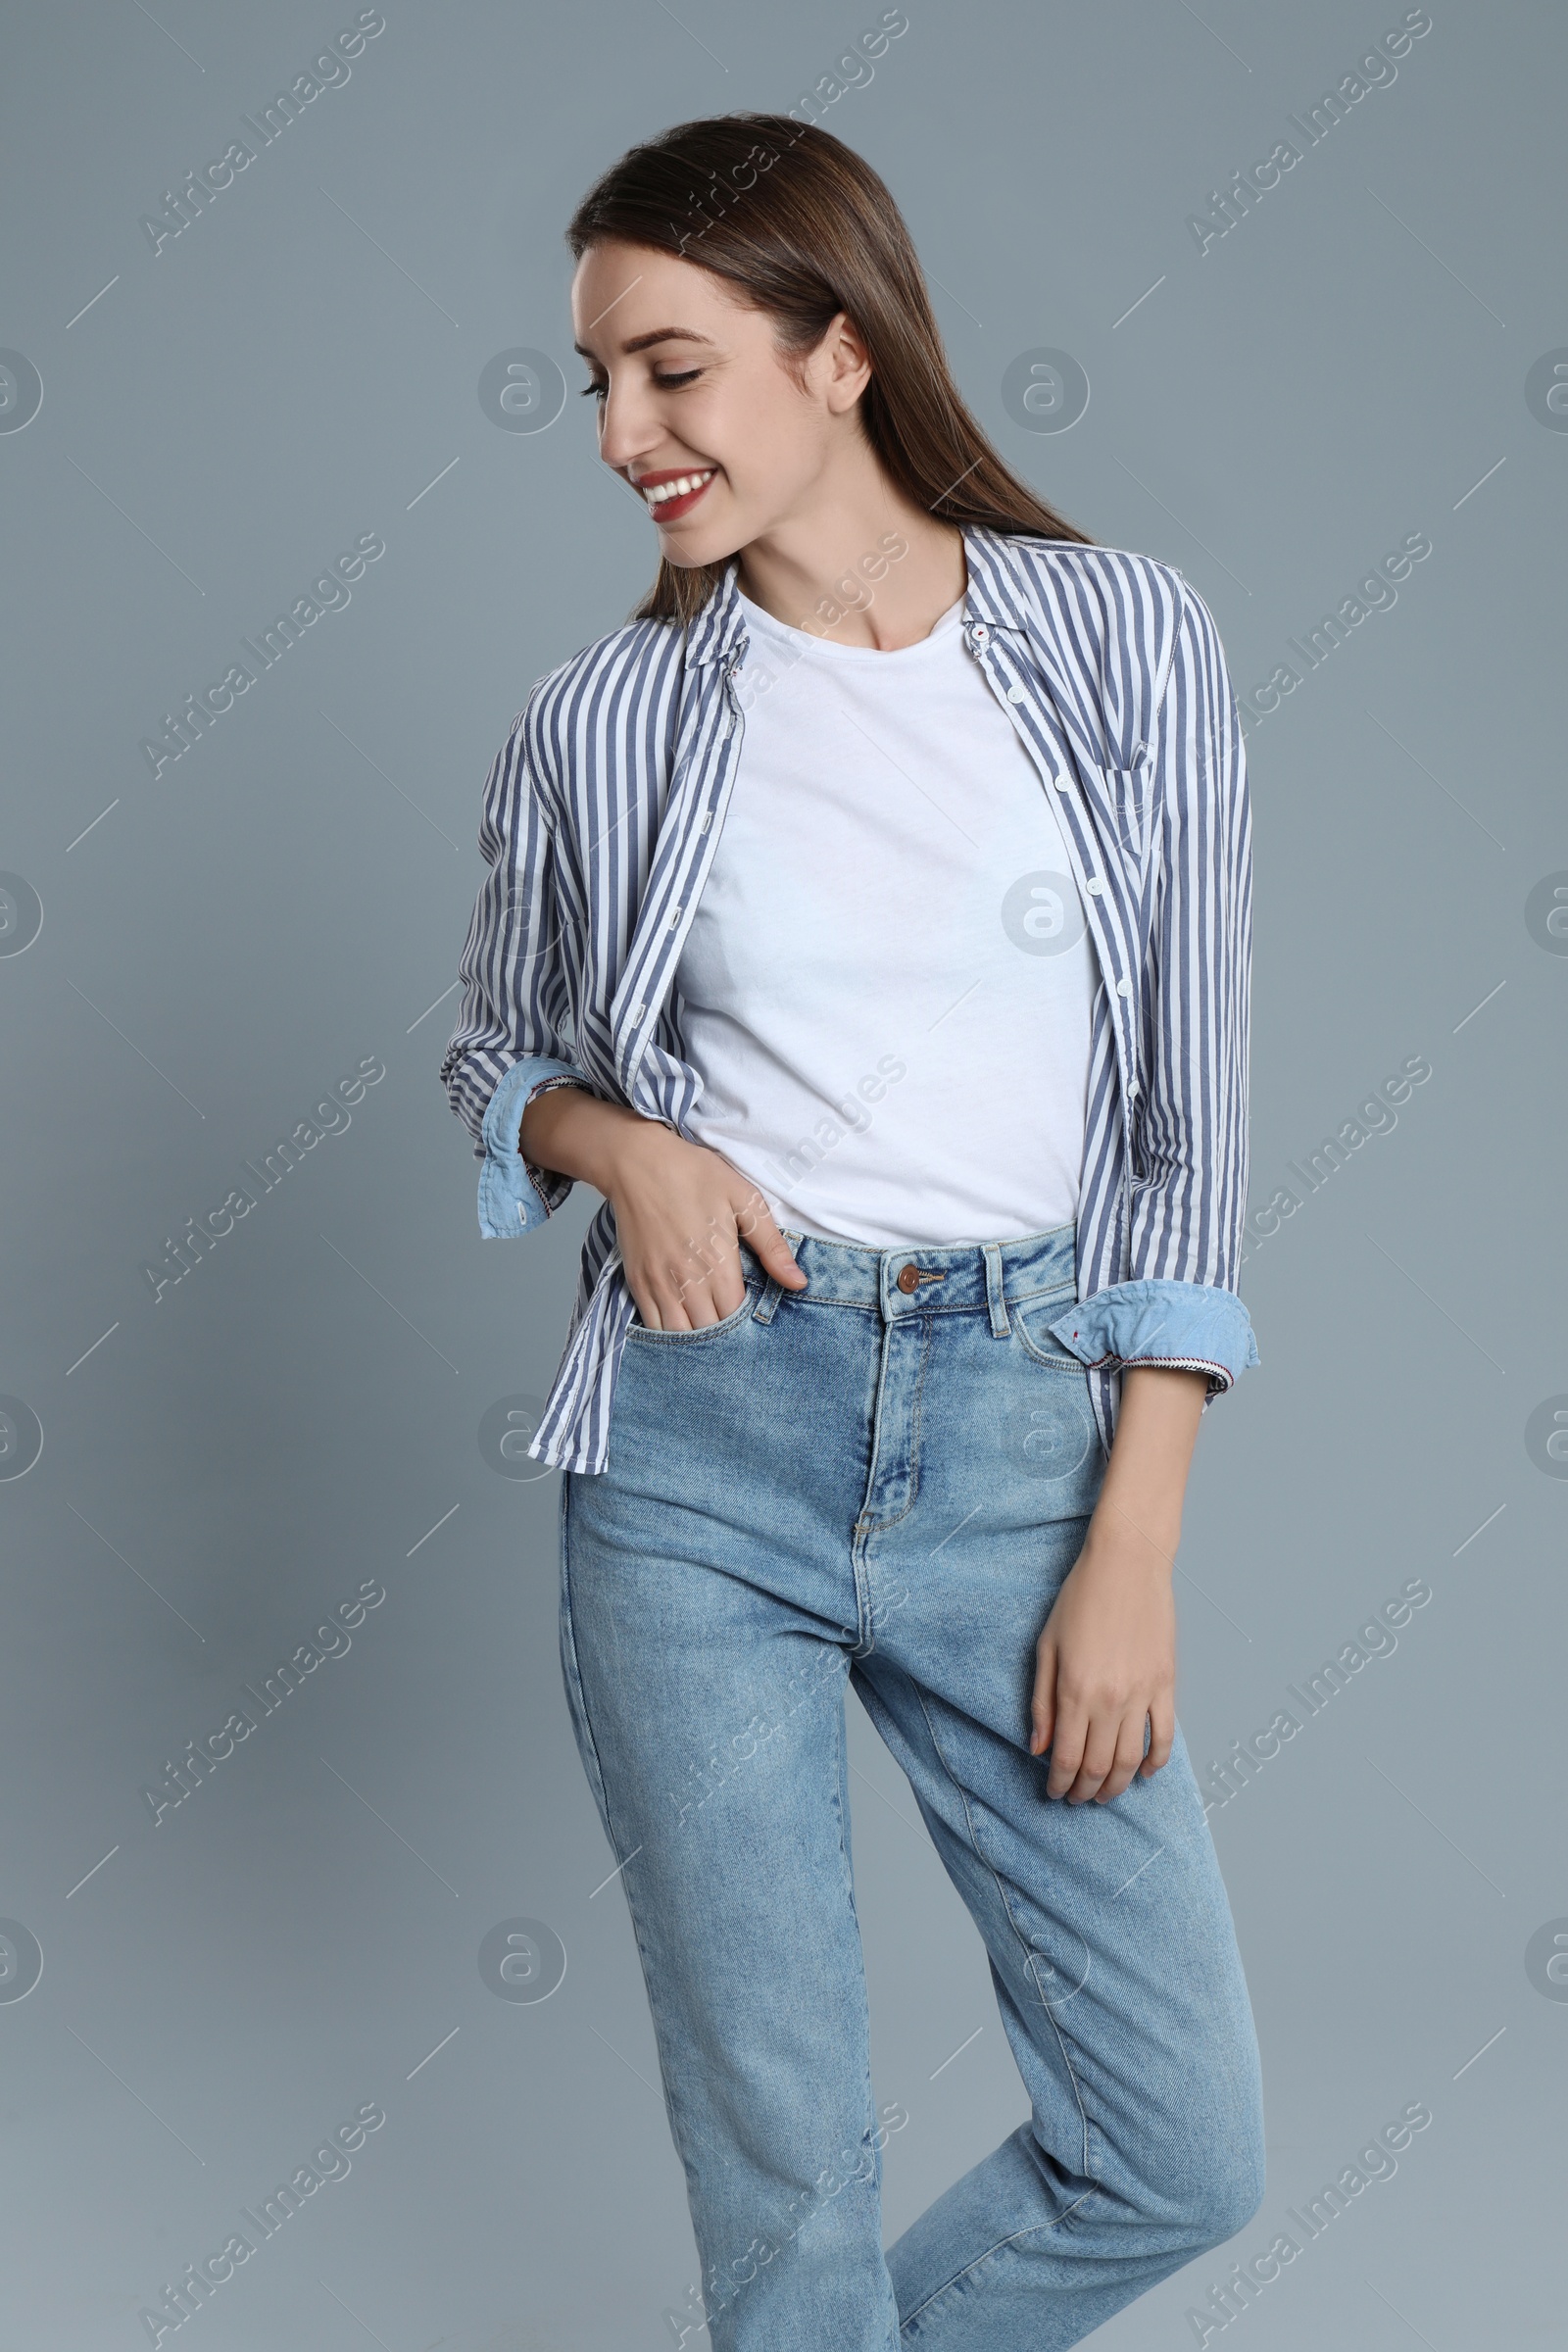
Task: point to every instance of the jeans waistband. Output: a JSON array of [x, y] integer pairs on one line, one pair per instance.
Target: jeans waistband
[[931, 1278]]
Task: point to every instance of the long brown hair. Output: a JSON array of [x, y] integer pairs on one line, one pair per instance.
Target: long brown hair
[[805, 228]]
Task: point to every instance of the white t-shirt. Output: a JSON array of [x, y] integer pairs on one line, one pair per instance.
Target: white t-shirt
[[887, 983]]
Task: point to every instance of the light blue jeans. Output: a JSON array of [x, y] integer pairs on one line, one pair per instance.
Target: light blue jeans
[[884, 1479]]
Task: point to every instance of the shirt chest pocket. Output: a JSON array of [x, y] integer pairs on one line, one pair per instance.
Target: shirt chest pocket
[[1126, 793]]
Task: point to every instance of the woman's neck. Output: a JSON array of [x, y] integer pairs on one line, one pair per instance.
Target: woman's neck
[[860, 565]]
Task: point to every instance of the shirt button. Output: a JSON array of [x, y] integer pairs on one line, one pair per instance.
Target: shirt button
[[1132, 1088], [1015, 693], [1093, 886], [908, 1277], [1061, 783], [1124, 988], [982, 635], [637, 1012]]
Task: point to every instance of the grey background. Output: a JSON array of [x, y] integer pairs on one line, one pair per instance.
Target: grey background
[[219, 946]]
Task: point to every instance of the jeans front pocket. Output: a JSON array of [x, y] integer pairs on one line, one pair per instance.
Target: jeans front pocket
[[1030, 1320], [706, 1332], [1050, 1432]]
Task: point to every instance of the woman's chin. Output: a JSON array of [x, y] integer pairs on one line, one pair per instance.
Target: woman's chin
[[687, 552]]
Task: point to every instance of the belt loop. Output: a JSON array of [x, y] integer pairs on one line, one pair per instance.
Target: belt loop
[[768, 1305], [994, 1300]]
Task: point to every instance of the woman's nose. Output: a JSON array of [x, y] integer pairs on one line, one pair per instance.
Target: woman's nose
[[627, 433]]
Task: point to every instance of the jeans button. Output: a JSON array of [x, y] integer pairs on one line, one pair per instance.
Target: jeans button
[[908, 1277]]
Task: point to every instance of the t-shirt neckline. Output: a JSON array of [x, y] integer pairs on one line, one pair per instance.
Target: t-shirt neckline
[[802, 642]]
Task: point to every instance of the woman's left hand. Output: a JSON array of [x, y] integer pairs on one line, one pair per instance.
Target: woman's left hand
[[1106, 1663], [1105, 1667]]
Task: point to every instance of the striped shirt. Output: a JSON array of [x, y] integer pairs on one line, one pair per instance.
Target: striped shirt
[[599, 821]]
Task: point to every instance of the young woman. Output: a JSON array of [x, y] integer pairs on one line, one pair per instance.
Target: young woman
[[868, 921]]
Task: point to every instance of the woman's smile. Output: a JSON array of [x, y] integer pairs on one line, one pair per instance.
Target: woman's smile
[[674, 492]]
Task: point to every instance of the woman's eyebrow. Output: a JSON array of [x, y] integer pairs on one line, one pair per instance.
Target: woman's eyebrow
[[659, 334]]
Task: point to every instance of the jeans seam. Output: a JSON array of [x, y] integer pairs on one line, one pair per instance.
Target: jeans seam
[[1066, 1290], [1027, 1948], [578, 1699], [1012, 2239], [576, 1689]]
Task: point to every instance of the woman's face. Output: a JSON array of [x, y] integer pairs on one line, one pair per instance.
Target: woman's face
[[690, 390]]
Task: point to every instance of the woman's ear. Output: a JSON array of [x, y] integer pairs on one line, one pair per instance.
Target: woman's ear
[[845, 362]]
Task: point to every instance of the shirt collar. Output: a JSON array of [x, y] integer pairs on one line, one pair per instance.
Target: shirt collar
[[720, 623], [994, 597], [997, 594]]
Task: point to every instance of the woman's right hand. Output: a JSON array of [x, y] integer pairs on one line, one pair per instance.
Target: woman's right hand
[[680, 1208]]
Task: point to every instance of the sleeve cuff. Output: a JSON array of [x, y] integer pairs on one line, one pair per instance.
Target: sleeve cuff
[[513, 1195], [1188, 1326]]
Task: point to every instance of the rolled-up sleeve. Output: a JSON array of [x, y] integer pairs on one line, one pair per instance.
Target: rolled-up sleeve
[[510, 1042], [1179, 1305]]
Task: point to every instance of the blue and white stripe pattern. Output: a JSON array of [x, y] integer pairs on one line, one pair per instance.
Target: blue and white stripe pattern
[[600, 817]]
